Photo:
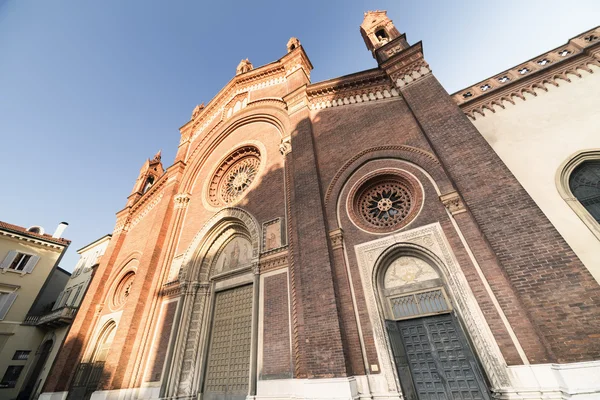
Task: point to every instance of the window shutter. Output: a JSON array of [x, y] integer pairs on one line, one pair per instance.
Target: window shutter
[[8, 259], [58, 300], [5, 302], [31, 264]]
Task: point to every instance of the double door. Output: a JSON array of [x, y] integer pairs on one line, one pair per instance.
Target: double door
[[434, 360], [228, 364]]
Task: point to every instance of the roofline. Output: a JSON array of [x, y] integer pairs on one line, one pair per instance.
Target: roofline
[[250, 74], [63, 270], [108, 235], [57, 241], [523, 62]]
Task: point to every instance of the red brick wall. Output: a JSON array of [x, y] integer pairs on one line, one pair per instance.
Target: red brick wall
[[559, 294], [161, 343], [276, 361]]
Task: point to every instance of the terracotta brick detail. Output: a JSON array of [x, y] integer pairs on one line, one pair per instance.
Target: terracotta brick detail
[[277, 361], [161, 343]]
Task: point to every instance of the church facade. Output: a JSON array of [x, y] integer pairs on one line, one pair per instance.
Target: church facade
[[369, 236]]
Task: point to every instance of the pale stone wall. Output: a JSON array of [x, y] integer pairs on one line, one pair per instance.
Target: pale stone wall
[[535, 137]]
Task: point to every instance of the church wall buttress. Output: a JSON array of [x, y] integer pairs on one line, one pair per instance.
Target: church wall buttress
[[320, 338]]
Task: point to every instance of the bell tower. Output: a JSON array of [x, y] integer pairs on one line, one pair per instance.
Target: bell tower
[[378, 31], [150, 172]]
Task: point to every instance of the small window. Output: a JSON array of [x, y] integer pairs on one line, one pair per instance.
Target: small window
[[6, 301], [11, 376], [64, 300], [76, 297], [584, 183], [564, 53], [382, 35], [36, 229], [20, 262], [21, 355], [544, 61], [149, 183]]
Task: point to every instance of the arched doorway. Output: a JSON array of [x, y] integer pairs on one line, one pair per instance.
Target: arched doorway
[[32, 381], [228, 360], [89, 372], [432, 355], [214, 354]]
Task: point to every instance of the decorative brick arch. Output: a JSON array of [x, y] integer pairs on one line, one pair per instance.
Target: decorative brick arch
[[430, 243], [213, 230], [421, 158], [270, 111]]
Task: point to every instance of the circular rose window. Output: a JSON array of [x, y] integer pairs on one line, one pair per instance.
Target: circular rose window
[[385, 202], [234, 176], [122, 290]]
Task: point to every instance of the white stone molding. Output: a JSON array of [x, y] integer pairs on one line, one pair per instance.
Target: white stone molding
[[353, 98], [230, 213], [286, 146], [453, 203], [431, 241]]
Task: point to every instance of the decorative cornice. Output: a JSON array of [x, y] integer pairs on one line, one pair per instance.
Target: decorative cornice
[[337, 238], [362, 87], [579, 53], [453, 203], [405, 65], [38, 242], [276, 261], [171, 289]]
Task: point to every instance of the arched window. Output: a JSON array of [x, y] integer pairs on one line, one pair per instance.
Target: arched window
[[148, 184], [382, 36], [584, 183], [578, 183]]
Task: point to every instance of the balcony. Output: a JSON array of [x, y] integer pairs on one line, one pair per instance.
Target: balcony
[[51, 320]]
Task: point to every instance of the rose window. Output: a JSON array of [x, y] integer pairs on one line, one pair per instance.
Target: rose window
[[234, 176], [122, 291], [386, 202]]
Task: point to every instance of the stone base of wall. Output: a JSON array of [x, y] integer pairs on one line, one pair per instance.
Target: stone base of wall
[[53, 396], [575, 381]]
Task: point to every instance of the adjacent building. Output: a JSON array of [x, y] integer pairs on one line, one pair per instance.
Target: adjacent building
[[55, 323], [30, 280], [448, 252]]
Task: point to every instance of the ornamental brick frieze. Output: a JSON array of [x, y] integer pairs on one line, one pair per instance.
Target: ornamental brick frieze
[[141, 214], [217, 109], [453, 203], [549, 68], [122, 225], [364, 87], [405, 65]]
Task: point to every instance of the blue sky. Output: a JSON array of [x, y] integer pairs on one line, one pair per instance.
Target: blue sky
[[90, 89]]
